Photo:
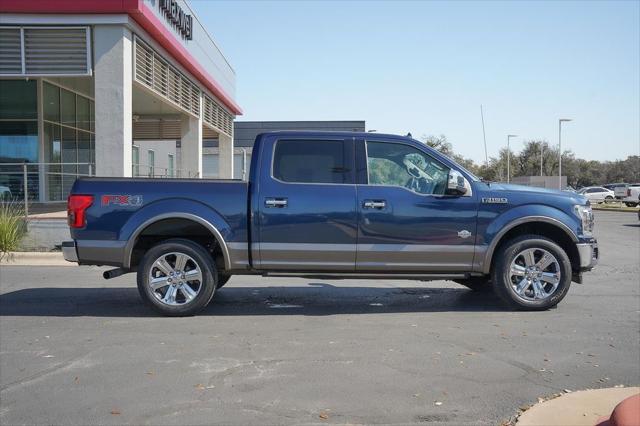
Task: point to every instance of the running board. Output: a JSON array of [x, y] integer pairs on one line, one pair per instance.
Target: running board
[[368, 276]]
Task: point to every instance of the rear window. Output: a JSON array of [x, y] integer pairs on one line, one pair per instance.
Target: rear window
[[312, 161]]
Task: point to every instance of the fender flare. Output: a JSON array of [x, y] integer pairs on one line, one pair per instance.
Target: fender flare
[[488, 256], [128, 251]]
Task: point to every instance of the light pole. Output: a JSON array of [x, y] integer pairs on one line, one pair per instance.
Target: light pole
[[509, 156], [560, 121], [541, 156]]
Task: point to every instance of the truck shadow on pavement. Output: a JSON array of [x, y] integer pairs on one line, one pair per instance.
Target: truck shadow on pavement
[[316, 299]]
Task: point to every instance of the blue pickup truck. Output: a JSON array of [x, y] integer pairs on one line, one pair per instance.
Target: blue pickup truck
[[333, 205]]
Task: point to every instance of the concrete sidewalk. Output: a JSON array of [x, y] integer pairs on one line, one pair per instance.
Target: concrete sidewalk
[[34, 258], [581, 408]]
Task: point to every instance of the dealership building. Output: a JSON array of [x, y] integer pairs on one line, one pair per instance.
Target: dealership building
[[110, 88]]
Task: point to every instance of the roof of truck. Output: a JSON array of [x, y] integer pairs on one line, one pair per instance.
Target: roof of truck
[[334, 133]]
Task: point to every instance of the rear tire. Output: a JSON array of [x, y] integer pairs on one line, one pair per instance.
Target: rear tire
[[177, 277], [631, 204], [531, 273]]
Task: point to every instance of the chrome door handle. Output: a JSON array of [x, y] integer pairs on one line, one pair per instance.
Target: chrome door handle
[[370, 204], [275, 202]]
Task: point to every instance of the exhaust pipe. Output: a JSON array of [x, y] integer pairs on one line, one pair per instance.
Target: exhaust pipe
[[107, 275]]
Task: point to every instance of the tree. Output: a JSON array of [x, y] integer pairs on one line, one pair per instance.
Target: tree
[[579, 172]]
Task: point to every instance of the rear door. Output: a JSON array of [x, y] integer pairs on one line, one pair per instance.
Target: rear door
[[407, 223], [307, 212]]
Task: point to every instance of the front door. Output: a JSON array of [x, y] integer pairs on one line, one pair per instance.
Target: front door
[[307, 212], [406, 222]]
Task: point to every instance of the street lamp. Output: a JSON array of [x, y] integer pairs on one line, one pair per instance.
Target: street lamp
[[541, 156], [560, 121], [509, 155]]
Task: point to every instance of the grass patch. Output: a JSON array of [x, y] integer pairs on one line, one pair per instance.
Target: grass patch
[[13, 226], [614, 206]]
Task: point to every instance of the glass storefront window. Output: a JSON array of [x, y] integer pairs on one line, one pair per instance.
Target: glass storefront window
[[135, 157], [68, 122], [51, 102], [84, 152], [92, 114], [67, 108], [18, 100], [18, 141], [18, 137], [68, 138], [83, 112], [53, 147]]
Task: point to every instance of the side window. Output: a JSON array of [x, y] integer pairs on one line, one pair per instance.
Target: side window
[[312, 161], [402, 165], [593, 190]]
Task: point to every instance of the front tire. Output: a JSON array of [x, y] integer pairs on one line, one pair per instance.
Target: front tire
[[177, 277], [531, 273], [222, 280]]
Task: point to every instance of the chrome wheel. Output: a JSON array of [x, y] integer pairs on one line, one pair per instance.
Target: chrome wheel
[[175, 279], [534, 274]]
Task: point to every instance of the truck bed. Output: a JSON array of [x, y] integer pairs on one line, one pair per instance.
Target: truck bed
[[122, 205]]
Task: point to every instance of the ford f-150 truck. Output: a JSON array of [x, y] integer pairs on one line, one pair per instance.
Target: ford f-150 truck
[[333, 205]]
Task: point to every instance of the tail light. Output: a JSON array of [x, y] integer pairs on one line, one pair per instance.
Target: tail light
[[628, 192], [76, 207]]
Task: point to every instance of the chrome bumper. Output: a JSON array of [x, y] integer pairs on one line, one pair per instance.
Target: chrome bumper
[[588, 255], [69, 251]]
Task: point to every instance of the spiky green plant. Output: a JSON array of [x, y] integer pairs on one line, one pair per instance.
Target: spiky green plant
[[13, 226]]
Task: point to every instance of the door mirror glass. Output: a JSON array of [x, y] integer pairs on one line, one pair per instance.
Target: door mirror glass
[[456, 184]]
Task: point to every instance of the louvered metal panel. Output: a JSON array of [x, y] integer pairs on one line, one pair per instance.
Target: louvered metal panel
[[45, 51], [144, 65], [10, 51], [56, 51], [160, 76], [154, 72], [216, 116], [208, 133], [149, 129]]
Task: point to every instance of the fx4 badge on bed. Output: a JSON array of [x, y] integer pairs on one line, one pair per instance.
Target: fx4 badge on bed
[[495, 200], [122, 200]]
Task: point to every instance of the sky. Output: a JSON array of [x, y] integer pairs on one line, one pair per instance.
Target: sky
[[426, 67]]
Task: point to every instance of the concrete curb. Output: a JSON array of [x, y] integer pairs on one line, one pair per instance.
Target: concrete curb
[[34, 258], [616, 209], [581, 408]]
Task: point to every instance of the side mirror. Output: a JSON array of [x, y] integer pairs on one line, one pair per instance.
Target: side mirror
[[456, 184]]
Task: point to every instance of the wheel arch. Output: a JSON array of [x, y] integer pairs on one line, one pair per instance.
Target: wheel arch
[[139, 230], [544, 226]]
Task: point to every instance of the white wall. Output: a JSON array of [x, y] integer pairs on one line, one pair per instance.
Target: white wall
[[162, 149]]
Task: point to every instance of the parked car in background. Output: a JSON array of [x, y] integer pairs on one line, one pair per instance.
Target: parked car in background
[[597, 194], [5, 193], [612, 186], [630, 194]]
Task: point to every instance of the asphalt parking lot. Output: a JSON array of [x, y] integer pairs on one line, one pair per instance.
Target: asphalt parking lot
[[76, 349]]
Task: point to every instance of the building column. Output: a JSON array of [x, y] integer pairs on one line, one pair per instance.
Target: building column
[[191, 147], [113, 75], [225, 156]]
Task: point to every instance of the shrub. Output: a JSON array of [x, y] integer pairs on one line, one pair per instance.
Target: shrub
[[13, 226]]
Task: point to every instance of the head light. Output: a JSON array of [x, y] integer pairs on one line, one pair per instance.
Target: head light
[[585, 214]]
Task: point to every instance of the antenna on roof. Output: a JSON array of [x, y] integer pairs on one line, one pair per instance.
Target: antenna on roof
[[484, 136]]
